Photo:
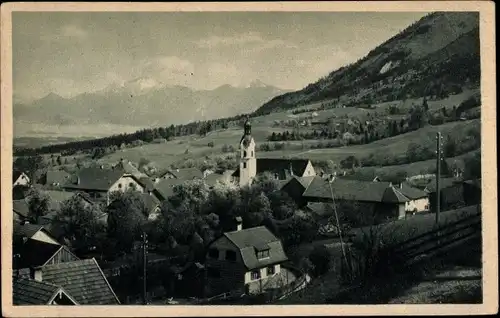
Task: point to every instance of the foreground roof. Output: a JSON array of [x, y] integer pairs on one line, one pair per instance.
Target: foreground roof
[[257, 238], [95, 178], [83, 279], [32, 292]]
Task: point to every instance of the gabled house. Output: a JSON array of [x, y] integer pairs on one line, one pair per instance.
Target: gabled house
[[23, 232], [33, 253], [32, 292], [82, 279], [99, 182], [388, 201], [20, 178], [152, 204], [128, 168], [243, 261]]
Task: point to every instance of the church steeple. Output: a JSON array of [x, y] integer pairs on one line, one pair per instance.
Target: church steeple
[[248, 163]]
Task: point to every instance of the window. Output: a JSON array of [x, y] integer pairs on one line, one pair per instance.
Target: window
[[255, 274], [230, 255], [244, 153], [263, 254], [252, 153], [244, 165], [213, 253], [119, 185], [131, 184], [270, 270]]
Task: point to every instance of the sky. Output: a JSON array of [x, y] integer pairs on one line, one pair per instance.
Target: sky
[[80, 52]]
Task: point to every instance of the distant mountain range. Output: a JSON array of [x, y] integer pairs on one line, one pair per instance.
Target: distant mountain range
[[144, 102], [436, 54]]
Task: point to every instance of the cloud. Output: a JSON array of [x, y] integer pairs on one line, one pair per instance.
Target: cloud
[[169, 70], [248, 39]]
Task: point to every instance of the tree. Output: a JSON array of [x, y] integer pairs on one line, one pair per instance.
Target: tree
[[320, 258], [473, 166], [127, 215], [30, 165], [38, 204], [78, 224], [450, 147], [349, 162]]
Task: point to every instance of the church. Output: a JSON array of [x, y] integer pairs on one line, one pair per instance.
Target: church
[[250, 166]]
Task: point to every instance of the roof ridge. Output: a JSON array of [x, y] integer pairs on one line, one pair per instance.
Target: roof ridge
[[105, 279]]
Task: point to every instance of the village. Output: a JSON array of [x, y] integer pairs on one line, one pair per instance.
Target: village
[[115, 235]]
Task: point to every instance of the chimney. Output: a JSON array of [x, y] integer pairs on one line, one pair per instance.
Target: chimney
[[36, 274], [291, 169], [239, 225], [401, 185]]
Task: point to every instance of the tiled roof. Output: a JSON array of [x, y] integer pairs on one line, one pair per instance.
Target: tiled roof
[[166, 187], [345, 189], [186, 174], [147, 183], [26, 230], [32, 292], [95, 178], [150, 201], [248, 240], [36, 253], [57, 176], [21, 207], [279, 166], [83, 280], [411, 192]]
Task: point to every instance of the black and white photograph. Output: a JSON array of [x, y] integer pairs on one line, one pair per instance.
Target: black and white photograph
[[189, 158]]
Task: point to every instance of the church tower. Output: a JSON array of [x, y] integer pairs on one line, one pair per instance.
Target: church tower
[[248, 163]]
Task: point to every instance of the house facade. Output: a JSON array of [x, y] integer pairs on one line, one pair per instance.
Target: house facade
[[20, 178], [243, 261]]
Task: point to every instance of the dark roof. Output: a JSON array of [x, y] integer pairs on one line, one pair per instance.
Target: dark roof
[[213, 178], [32, 292], [345, 189], [443, 183], [320, 209], [83, 279], [476, 183], [147, 183], [166, 187], [21, 207], [411, 192], [248, 240], [95, 178], [150, 201], [26, 230], [57, 176], [279, 166], [57, 198], [186, 174], [37, 253]]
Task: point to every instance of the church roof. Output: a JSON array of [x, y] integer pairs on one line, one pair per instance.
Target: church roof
[[280, 166]]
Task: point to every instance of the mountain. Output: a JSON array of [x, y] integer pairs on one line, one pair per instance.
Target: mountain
[[435, 56], [144, 102]]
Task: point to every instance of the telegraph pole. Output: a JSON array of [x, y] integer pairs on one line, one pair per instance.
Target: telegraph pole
[[145, 264], [439, 140]]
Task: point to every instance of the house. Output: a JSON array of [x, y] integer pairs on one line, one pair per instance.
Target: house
[[250, 166], [419, 199], [23, 232], [183, 174], [165, 188], [32, 292], [295, 186], [128, 168], [20, 178], [55, 178], [388, 201], [472, 192], [34, 253], [152, 204], [99, 182], [243, 261], [82, 279]]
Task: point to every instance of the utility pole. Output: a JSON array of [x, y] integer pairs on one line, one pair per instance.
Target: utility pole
[[439, 140], [145, 265]]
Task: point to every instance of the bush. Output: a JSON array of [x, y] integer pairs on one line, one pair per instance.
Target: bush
[[211, 144]]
